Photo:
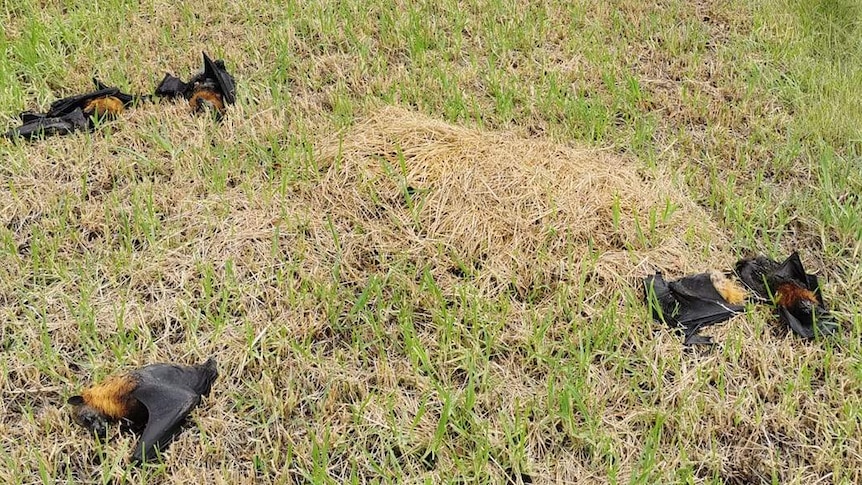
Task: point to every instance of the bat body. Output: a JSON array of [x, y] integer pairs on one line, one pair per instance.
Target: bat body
[[211, 89], [105, 101], [159, 395], [110, 106], [87, 103], [795, 293], [693, 302]]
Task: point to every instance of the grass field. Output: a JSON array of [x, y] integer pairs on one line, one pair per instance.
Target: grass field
[[415, 244]]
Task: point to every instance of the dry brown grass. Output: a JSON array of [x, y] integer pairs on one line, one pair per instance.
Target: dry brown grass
[[409, 300], [515, 215], [411, 272]]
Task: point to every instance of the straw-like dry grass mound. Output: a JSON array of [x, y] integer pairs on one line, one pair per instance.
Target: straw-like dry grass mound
[[508, 214], [408, 300]]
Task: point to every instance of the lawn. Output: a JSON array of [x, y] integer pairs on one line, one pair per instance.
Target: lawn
[[415, 244]]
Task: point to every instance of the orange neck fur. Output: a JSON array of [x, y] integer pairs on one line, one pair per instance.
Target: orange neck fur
[[102, 106], [212, 97], [113, 398], [789, 294], [731, 291]]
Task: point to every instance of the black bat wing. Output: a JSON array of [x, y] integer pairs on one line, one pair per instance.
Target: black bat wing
[[216, 70], [169, 392], [67, 105], [754, 273], [697, 339], [792, 270], [700, 303], [167, 405], [30, 116], [690, 304], [788, 317], [171, 87], [660, 299], [814, 285], [36, 125]]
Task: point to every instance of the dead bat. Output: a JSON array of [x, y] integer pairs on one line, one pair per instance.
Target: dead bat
[[74, 113], [160, 395], [34, 125], [104, 102], [210, 89], [795, 293], [693, 302]]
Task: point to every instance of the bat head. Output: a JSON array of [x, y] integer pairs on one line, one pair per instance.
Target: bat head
[[803, 310], [88, 417]]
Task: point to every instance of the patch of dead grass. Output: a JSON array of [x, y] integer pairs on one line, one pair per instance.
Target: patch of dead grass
[[513, 214]]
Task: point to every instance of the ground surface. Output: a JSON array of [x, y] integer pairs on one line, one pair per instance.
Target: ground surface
[[414, 245]]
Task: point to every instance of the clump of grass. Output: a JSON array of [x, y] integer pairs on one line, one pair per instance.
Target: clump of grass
[[506, 213]]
